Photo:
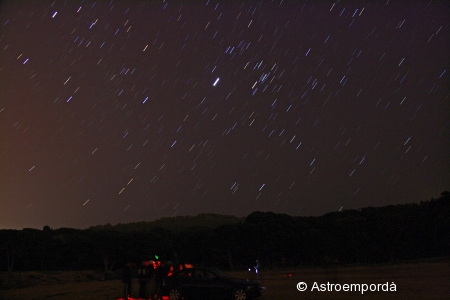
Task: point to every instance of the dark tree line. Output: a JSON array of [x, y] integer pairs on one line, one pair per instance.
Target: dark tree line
[[369, 235]]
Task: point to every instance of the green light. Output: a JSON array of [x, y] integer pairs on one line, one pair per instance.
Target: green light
[[156, 256]]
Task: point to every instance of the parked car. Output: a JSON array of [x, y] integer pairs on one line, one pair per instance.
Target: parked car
[[208, 284]]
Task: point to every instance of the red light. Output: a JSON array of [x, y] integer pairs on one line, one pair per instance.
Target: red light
[[146, 263], [156, 264]]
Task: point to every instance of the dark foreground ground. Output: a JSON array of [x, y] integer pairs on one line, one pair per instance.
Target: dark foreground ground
[[423, 280]]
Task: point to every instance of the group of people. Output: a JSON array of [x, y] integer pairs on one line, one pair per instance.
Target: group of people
[[150, 275]]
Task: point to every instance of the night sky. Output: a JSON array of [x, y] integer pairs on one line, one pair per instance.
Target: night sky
[[126, 111]]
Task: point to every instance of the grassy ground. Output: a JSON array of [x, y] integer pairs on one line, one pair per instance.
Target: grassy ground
[[413, 281], [423, 280]]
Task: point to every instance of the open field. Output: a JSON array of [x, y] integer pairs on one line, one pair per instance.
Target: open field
[[423, 280]]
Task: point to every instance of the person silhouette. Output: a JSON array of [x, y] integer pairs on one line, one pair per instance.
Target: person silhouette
[[127, 279], [145, 275]]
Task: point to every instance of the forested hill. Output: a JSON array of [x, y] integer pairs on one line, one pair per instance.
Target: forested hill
[[368, 235], [175, 224]]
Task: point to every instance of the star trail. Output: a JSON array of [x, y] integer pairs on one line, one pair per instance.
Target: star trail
[[126, 111]]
